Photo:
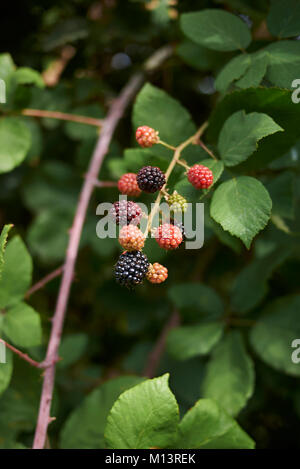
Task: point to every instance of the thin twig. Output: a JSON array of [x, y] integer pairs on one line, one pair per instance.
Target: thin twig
[[207, 149], [22, 355], [114, 115], [106, 183], [159, 347], [41, 283], [62, 116]]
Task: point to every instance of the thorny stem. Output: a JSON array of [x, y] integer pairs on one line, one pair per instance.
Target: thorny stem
[[110, 123], [177, 153], [63, 116]]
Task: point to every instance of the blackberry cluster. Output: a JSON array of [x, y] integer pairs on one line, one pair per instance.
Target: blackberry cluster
[[126, 212], [150, 179], [131, 268]]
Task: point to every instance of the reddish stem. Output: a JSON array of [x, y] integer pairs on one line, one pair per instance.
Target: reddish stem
[[41, 283], [22, 355], [159, 347], [63, 116], [114, 115]]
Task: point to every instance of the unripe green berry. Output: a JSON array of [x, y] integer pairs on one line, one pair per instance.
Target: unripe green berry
[[177, 202]]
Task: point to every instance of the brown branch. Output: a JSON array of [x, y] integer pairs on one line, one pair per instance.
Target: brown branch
[[62, 116], [53, 73], [159, 347], [41, 283], [110, 123], [22, 355]]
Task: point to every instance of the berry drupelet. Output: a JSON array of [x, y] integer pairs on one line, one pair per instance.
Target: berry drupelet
[[200, 176], [150, 179], [131, 268], [126, 212], [146, 136], [127, 185]]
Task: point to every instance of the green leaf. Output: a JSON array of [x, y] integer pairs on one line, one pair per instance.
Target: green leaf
[[72, 347], [84, 428], [274, 332], [16, 274], [283, 19], [28, 76], [229, 377], [15, 143], [242, 206], [7, 67], [143, 417], [48, 234], [6, 370], [189, 341], [200, 57], [281, 190], [233, 70], [216, 29], [275, 103], [241, 133], [3, 240], [155, 108], [22, 325], [200, 299], [283, 63], [255, 72], [208, 426], [251, 285]]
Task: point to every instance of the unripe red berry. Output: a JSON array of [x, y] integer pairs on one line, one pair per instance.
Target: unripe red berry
[[127, 185], [131, 238], [200, 176], [168, 236], [146, 137], [157, 273]]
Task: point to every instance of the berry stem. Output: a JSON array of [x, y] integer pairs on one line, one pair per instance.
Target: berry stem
[[207, 150], [181, 163], [177, 153], [167, 145]]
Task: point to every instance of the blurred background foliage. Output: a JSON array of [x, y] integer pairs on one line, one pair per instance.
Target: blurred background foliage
[[110, 331]]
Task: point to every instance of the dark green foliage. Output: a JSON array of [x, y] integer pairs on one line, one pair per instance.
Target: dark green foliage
[[232, 364]]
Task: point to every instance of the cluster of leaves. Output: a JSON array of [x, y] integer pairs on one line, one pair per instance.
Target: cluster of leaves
[[238, 297]]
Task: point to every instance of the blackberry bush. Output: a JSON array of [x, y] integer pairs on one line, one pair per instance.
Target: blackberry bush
[[175, 103]]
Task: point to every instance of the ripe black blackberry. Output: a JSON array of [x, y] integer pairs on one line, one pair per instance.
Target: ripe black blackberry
[[150, 179], [126, 212], [131, 268]]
